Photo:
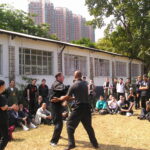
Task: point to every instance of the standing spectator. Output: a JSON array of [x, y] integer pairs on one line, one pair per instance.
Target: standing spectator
[[101, 106], [92, 94], [107, 88], [120, 88], [43, 91], [12, 93], [125, 107], [114, 87], [31, 97], [4, 138], [138, 92], [144, 88], [43, 115], [128, 85]]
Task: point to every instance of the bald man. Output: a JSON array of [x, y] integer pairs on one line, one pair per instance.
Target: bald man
[[81, 111]]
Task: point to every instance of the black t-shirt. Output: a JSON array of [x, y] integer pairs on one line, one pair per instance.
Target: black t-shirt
[[43, 90], [145, 92], [80, 91], [3, 114], [131, 99], [33, 90], [125, 105]]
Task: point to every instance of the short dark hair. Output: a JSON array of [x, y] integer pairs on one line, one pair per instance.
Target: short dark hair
[[2, 82], [145, 76], [58, 74], [11, 81], [121, 78], [43, 80]]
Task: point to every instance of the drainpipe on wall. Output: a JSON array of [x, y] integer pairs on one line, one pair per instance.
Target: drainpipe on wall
[[60, 62]]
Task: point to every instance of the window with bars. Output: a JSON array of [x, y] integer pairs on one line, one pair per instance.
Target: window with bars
[[135, 68], [101, 67], [73, 63], [121, 69], [0, 59], [35, 62]]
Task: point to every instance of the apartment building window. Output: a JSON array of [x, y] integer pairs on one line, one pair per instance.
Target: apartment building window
[[135, 68], [101, 67], [1, 59], [73, 63], [35, 62], [121, 69]]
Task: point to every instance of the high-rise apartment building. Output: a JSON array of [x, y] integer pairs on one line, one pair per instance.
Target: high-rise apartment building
[[66, 25]]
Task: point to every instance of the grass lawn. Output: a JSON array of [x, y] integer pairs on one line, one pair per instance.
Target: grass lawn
[[114, 132]]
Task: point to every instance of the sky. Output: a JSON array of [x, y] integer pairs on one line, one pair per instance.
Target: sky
[[76, 6]]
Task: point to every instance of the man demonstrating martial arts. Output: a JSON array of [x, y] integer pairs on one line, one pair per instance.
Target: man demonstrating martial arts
[[81, 112]]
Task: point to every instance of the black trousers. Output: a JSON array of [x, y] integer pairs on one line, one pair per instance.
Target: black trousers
[[4, 138], [81, 113], [144, 99], [56, 110]]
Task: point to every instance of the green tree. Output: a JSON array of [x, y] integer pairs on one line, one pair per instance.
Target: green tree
[[19, 21], [84, 42], [129, 28]]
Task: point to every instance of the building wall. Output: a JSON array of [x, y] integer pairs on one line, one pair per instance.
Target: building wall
[[19, 42]]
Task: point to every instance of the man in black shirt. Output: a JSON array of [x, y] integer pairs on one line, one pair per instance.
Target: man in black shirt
[[81, 111], [3, 118], [43, 91], [144, 88], [31, 97], [58, 90]]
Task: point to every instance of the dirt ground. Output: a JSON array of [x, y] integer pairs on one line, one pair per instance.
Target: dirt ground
[[113, 132]]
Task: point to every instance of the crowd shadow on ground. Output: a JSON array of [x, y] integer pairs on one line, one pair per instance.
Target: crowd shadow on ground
[[83, 144]]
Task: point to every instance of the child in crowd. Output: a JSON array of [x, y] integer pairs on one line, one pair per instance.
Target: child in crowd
[[101, 106], [125, 107], [113, 106]]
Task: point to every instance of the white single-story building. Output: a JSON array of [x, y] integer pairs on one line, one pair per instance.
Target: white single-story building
[[36, 57]]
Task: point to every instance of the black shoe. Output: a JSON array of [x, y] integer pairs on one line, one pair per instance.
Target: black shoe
[[69, 147], [96, 146]]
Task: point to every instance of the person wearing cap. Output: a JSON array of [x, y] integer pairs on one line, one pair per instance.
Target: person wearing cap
[[58, 89], [81, 112]]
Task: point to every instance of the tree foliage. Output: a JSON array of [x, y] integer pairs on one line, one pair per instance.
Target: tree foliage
[[85, 42], [19, 21], [129, 29]]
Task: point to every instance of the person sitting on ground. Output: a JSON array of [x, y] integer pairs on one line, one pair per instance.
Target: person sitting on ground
[[39, 102], [24, 114], [145, 114], [113, 106], [43, 115], [16, 120], [110, 97], [131, 96], [125, 107], [101, 106]]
